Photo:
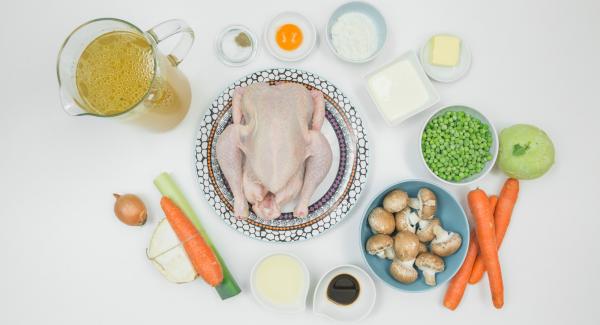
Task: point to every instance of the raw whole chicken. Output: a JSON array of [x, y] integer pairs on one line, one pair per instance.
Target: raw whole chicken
[[274, 151]]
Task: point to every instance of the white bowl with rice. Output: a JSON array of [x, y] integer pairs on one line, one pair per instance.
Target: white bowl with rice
[[356, 32]]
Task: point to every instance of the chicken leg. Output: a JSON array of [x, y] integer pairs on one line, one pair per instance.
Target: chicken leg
[[319, 156], [317, 166], [230, 157]]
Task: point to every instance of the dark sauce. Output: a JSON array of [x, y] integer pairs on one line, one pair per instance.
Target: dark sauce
[[343, 289]]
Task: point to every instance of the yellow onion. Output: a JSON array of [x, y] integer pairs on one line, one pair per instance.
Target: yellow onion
[[130, 209]]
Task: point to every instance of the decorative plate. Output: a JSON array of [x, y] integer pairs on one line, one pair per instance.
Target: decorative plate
[[338, 192]]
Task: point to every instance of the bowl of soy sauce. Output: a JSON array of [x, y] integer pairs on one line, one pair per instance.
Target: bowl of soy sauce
[[345, 293]]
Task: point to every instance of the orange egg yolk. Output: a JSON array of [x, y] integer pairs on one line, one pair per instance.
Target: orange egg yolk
[[289, 37]]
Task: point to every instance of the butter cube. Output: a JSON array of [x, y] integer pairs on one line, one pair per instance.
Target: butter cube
[[445, 50]]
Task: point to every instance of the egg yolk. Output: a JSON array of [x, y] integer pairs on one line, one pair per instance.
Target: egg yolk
[[289, 37]]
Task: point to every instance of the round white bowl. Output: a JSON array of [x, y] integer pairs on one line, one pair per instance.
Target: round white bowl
[[493, 150], [309, 31], [354, 312], [368, 10], [301, 306], [445, 74]]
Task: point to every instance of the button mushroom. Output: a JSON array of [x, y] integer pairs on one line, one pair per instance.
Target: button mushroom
[[445, 242], [395, 201], [381, 245], [403, 273], [422, 248], [381, 221], [414, 203], [406, 220], [427, 203], [406, 247], [430, 264], [425, 231]]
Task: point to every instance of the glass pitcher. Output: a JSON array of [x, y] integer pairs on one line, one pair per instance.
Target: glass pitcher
[[110, 68]]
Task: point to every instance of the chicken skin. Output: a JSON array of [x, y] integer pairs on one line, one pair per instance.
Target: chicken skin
[[274, 152]]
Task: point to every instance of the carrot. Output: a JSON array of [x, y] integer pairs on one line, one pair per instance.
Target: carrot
[[493, 202], [486, 238], [478, 267], [502, 215], [457, 286], [200, 254]]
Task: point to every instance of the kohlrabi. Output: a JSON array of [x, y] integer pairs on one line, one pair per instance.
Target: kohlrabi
[[525, 152]]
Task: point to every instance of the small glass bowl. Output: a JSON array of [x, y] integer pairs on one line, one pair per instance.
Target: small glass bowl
[[232, 61]]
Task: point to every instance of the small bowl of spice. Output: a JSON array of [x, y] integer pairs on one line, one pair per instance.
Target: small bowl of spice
[[236, 45], [458, 145], [356, 32]]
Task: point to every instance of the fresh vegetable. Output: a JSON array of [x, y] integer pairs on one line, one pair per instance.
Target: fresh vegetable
[[525, 152], [402, 272], [478, 268], [395, 201], [130, 209], [426, 227], [381, 246], [201, 255], [456, 145], [430, 264], [486, 239], [406, 249], [493, 202], [165, 184], [406, 220], [381, 221], [427, 203], [167, 254], [445, 242], [457, 285], [502, 215]]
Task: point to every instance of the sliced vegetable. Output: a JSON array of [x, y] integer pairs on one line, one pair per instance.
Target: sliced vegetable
[[165, 184], [168, 256], [486, 239]]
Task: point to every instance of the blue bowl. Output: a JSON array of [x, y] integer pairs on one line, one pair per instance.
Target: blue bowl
[[452, 217]]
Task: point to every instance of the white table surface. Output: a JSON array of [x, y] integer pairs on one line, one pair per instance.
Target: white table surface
[[67, 260]]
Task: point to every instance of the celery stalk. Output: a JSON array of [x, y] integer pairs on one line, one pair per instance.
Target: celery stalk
[[167, 187]]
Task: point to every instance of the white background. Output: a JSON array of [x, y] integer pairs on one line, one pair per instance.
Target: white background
[[67, 260]]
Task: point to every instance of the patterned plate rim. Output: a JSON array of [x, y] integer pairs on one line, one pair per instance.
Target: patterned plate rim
[[355, 184]]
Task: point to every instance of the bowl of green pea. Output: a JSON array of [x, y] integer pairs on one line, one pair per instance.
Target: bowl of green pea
[[458, 145]]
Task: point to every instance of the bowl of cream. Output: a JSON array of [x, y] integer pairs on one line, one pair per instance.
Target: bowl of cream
[[280, 282], [356, 32]]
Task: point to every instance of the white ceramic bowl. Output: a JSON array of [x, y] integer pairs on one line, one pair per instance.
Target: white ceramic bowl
[[300, 306], [309, 31], [445, 74], [368, 10], [493, 150], [354, 312]]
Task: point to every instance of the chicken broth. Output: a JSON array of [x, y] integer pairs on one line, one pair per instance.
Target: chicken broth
[[114, 72]]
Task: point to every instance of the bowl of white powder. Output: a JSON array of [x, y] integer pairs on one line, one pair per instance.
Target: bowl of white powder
[[356, 32]]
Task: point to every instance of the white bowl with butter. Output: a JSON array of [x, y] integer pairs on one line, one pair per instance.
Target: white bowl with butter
[[401, 89], [445, 57]]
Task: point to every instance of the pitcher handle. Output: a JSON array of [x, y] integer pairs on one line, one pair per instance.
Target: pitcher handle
[[172, 27]]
